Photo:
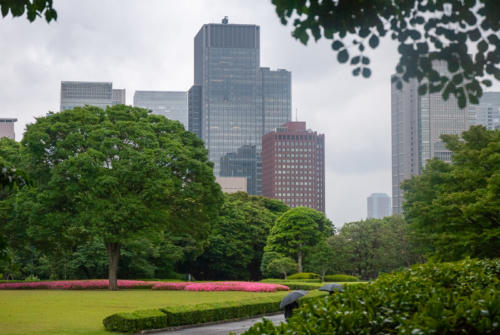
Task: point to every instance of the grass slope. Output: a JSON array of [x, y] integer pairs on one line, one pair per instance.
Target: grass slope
[[54, 312]]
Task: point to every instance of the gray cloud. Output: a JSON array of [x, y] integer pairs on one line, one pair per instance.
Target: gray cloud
[[149, 45]]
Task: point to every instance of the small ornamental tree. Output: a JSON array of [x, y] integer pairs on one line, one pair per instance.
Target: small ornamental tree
[[295, 231], [116, 175], [283, 265]]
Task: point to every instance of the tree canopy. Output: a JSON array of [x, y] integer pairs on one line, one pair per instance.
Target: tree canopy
[[237, 238], [457, 206], [297, 230], [463, 33], [116, 175], [32, 8]]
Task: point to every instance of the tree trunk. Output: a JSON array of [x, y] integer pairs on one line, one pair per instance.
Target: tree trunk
[[299, 260], [113, 259]]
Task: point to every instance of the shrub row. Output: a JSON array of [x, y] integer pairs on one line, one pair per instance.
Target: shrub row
[[341, 278], [434, 298], [304, 275], [295, 285], [195, 314]]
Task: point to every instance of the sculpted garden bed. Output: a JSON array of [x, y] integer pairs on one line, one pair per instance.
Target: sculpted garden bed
[[135, 284]]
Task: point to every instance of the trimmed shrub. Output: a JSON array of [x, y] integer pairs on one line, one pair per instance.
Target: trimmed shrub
[[136, 321], [434, 298], [195, 314], [304, 275], [295, 285], [341, 278]]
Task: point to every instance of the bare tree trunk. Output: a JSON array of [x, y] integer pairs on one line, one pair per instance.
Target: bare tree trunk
[[299, 260], [113, 259]]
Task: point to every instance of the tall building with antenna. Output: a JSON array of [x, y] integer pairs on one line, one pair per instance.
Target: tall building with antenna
[[234, 101]]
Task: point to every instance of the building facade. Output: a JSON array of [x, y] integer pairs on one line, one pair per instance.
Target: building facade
[[293, 166], [7, 128], [232, 184], [171, 104], [417, 122], [487, 112], [233, 100], [81, 93], [378, 206]]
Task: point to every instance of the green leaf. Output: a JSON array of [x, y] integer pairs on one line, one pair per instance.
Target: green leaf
[[373, 41], [343, 56], [365, 60], [355, 60], [487, 82], [367, 72], [356, 71], [337, 45], [422, 89], [482, 46]]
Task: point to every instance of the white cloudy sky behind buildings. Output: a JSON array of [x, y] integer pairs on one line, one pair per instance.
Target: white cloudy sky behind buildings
[[148, 45]]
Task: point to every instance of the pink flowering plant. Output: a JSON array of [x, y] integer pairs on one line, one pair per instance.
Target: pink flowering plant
[[130, 284]]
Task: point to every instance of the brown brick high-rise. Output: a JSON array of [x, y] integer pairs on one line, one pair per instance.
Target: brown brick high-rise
[[293, 166]]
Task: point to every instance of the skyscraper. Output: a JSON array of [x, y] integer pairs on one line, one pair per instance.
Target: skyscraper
[[233, 100], [171, 104], [378, 205], [7, 128], [417, 124], [81, 93], [293, 166], [487, 112]]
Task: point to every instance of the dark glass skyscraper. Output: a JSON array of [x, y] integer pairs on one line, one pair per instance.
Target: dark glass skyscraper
[[233, 100]]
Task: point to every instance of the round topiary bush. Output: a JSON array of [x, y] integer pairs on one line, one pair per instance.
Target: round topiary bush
[[434, 298], [304, 275]]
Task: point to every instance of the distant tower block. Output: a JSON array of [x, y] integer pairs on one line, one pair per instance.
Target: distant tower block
[[7, 128]]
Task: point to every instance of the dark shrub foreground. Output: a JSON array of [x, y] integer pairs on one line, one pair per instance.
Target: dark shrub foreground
[[434, 298]]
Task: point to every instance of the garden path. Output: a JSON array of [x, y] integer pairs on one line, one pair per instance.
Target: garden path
[[236, 327]]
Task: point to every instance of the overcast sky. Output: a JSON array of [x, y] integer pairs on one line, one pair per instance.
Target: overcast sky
[[148, 45]]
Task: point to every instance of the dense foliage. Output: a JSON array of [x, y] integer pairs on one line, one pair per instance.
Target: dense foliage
[[465, 34], [455, 207], [32, 8], [434, 298], [237, 238], [366, 249]]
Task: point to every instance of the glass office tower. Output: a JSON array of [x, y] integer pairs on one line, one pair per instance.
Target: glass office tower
[[226, 107], [171, 104], [81, 93]]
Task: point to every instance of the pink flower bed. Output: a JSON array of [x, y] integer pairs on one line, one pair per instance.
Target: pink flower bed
[[236, 286], [75, 285], [128, 284]]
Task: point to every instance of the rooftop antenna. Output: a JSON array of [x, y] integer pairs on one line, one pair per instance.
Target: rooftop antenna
[[225, 20], [296, 114]]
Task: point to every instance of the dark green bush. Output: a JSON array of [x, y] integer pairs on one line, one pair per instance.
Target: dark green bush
[[304, 275], [341, 278], [136, 321], [434, 298]]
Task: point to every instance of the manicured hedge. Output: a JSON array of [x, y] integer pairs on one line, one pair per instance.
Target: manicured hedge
[[304, 275], [434, 298], [295, 285], [136, 321], [195, 314], [341, 278]]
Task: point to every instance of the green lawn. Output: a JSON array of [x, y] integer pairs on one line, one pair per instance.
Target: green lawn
[[57, 312]]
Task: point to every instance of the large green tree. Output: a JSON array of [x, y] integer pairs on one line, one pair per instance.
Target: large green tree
[[118, 174], [463, 33], [238, 237], [457, 205], [297, 230]]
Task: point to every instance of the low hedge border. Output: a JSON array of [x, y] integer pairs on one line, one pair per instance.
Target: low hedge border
[[295, 285], [196, 314]]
